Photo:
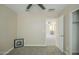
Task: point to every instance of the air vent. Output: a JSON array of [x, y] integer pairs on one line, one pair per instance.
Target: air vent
[[51, 10]]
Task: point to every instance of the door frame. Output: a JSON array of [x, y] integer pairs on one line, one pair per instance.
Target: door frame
[[63, 33]]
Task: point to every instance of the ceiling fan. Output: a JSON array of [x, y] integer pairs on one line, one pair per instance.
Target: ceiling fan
[[40, 5]]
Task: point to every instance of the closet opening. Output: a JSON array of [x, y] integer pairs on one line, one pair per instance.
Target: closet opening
[[75, 32]]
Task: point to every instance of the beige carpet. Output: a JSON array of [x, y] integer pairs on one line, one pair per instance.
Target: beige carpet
[[36, 50]]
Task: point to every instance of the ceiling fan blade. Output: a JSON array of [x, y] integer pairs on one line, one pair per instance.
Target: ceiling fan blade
[[41, 5], [28, 7]]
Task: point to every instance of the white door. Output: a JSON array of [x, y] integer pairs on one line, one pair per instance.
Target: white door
[[60, 34]]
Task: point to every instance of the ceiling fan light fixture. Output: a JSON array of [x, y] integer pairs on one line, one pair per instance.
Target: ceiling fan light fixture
[[39, 5]]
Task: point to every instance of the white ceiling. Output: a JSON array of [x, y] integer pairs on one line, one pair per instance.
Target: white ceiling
[[19, 8]]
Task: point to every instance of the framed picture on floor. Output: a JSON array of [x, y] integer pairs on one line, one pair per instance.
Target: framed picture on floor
[[18, 43]]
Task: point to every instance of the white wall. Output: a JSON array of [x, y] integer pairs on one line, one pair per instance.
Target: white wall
[[7, 28], [31, 27], [60, 32], [67, 27]]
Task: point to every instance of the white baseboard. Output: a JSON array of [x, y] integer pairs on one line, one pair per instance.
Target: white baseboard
[[8, 51], [35, 45]]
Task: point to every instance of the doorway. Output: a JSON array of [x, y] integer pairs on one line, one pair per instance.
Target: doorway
[[51, 32], [55, 32]]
